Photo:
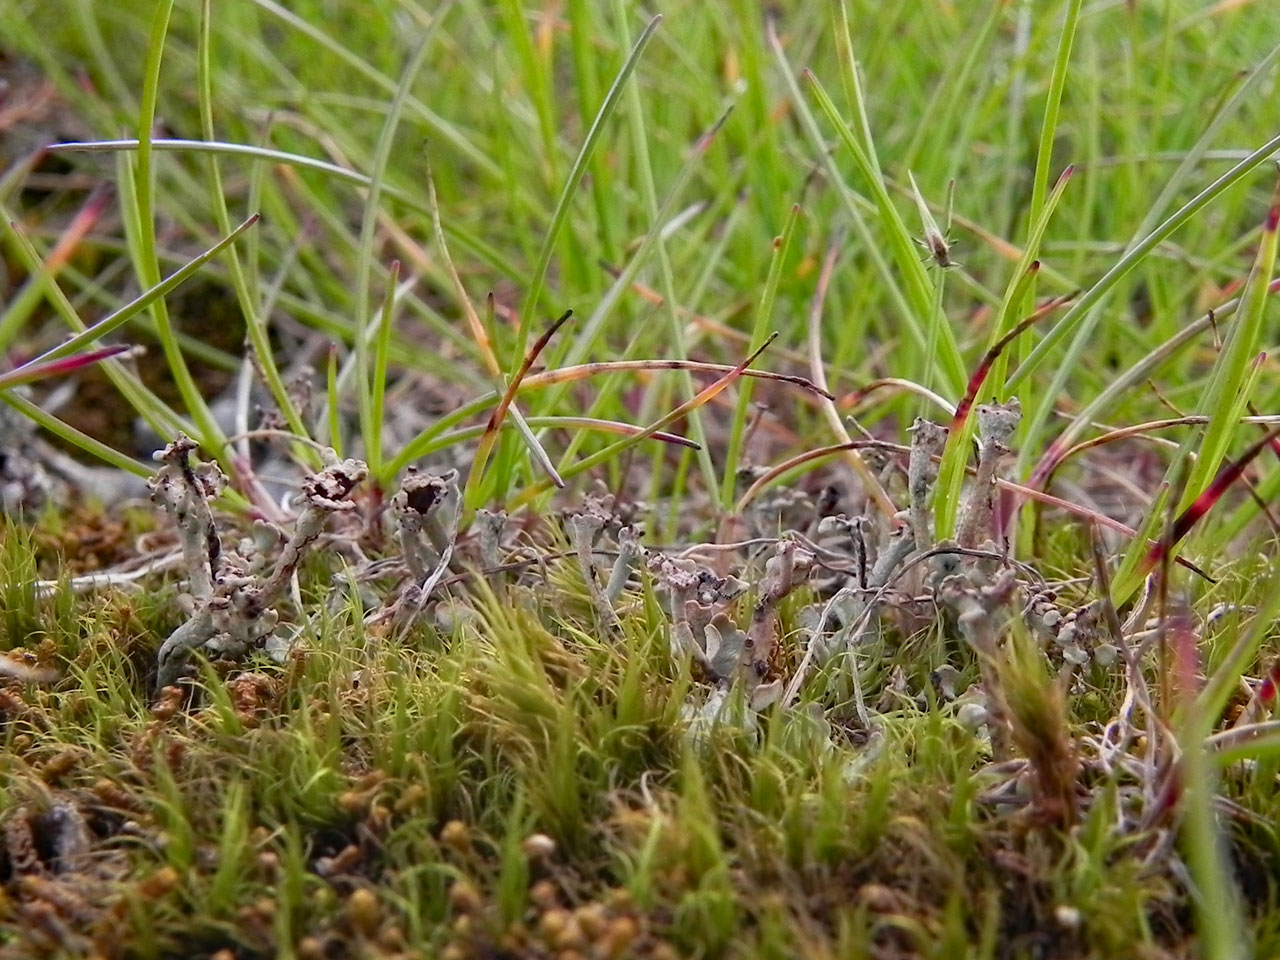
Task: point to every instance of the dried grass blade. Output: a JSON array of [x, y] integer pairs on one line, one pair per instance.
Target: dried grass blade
[[1205, 501], [484, 343], [704, 396], [490, 436], [983, 369], [870, 484]]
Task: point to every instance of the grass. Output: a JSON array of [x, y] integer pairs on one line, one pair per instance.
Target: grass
[[558, 753]]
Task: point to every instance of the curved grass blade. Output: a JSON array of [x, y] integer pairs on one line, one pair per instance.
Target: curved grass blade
[[955, 454], [225, 148], [704, 396], [364, 254], [78, 439], [453, 437], [854, 398], [138, 196], [583, 370], [1136, 255], [1253, 742], [561, 212], [490, 436], [291, 161], [1142, 429], [255, 322], [19, 309], [484, 343], [422, 443], [764, 313], [770, 476], [1204, 502]]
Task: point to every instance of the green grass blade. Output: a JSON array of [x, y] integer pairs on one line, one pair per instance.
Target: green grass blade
[[1226, 397], [948, 364], [641, 138], [369, 432], [1218, 904], [764, 315], [1224, 400], [140, 213], [334, 416], [71, 435], [255, 322], [1122, 267], [460, 233], [1052, 108], [159, 415], [1220, 920], [118, 318], [381, 349], [560, 214]]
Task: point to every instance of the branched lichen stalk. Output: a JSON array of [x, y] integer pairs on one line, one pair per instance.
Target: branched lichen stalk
[[232, 605], [996, 425]]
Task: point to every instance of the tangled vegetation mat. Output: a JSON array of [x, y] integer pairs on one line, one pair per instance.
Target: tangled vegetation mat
[[600, 480]]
